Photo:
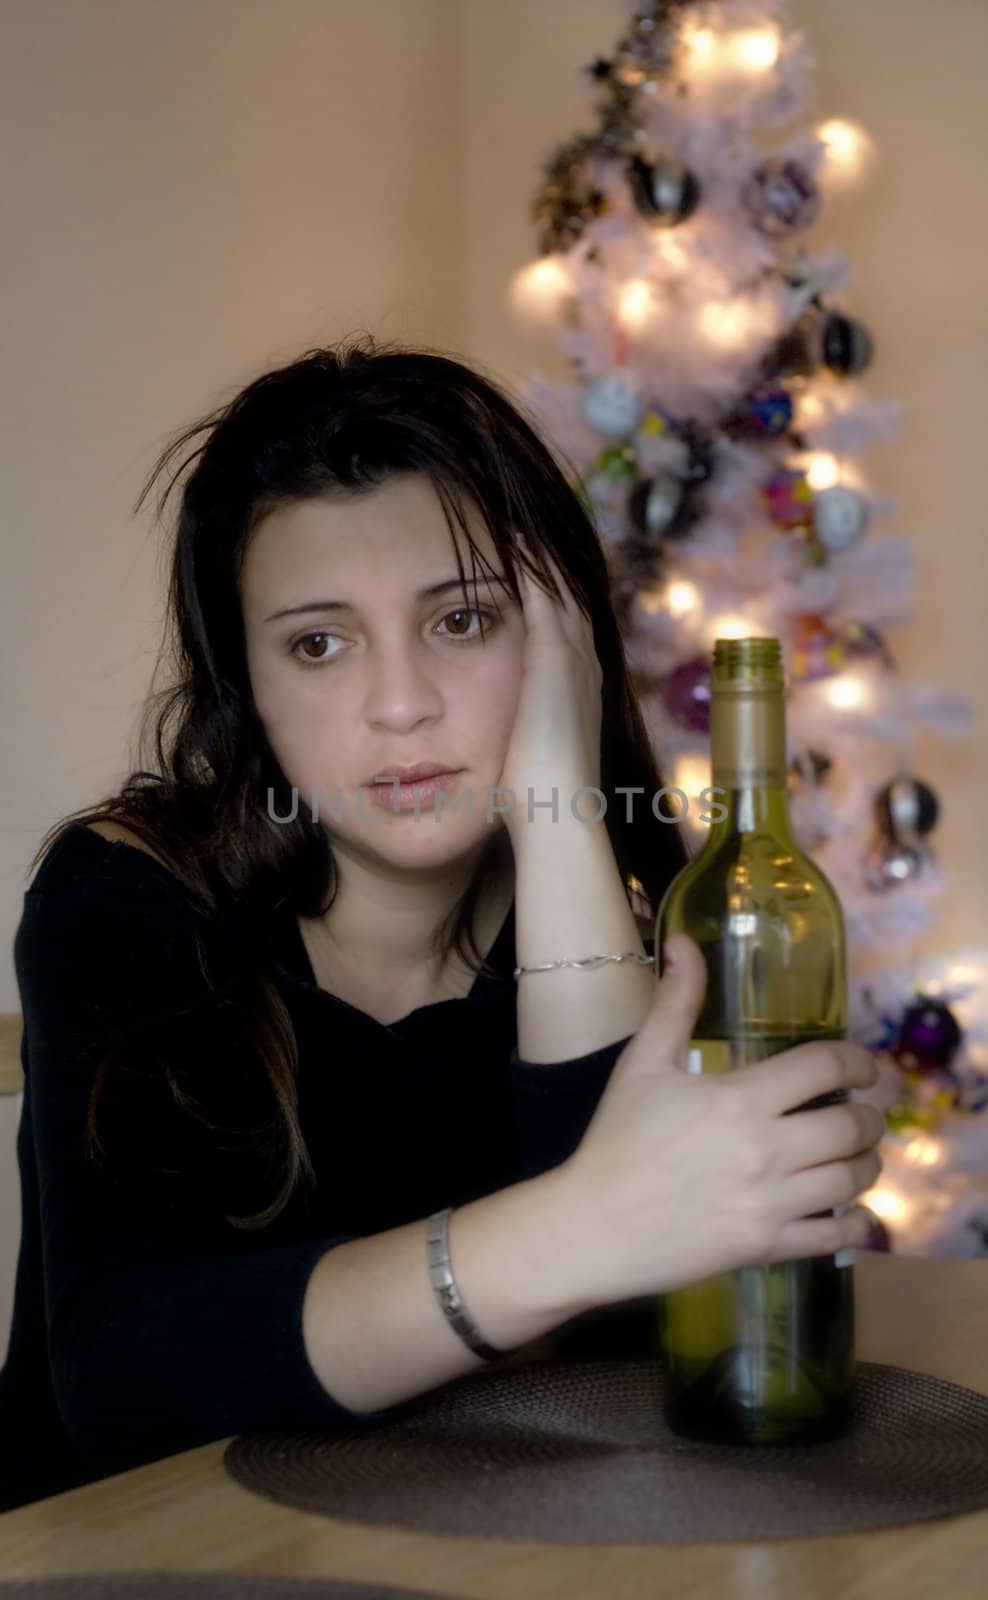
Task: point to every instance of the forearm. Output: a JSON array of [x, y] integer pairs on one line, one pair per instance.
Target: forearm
[[570, 901], [373, 1328]]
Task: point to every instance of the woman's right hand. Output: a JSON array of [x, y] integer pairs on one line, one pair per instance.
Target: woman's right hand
[[683, 1175]]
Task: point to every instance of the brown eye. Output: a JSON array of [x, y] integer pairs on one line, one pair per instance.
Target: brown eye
[[306, 659], [470, 611]]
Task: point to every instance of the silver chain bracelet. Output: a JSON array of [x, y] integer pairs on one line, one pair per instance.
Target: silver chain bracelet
[[587, 962]]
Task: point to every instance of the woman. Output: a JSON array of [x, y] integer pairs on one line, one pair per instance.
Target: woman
[[274, 1027], [201, 953]]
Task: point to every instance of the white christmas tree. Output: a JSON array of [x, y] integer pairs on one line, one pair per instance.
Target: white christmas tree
[[711, 422]]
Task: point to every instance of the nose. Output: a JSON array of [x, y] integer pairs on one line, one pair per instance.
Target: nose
[[402, 689]]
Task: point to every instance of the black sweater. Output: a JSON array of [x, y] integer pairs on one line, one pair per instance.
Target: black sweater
[[144, 1322]]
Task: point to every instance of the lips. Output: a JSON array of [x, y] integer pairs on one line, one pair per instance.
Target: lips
[[425, 769], [410, 795]]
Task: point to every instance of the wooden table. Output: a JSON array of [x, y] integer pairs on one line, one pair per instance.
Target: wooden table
[[186, 1514]]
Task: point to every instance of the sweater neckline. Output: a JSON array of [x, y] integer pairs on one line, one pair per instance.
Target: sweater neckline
[[288, 955], [291, 958]]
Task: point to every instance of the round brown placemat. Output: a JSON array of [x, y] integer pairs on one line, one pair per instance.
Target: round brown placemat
[[201, 1586], [579, 1453]]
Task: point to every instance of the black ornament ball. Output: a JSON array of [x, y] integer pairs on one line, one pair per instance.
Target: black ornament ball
[[657, 506], [663, 191], [699, 443], [847, 345], [906, 809], [795, 355]]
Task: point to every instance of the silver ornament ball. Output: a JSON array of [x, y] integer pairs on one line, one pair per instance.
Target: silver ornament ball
[[614, 404], [888, 864], [840, 516]]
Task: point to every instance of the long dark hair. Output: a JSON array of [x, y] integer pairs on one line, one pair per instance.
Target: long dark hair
[[339, 421]]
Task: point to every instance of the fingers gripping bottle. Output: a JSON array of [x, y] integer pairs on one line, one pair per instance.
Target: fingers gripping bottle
[[765, 1354]]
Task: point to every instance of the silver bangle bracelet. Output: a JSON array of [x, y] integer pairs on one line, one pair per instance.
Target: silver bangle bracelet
[[443, 1282], [587, 962]]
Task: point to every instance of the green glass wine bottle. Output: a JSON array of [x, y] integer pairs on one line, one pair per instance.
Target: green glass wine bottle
[[763, 1354]]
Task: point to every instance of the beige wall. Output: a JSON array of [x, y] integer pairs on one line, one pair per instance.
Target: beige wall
[[193, 192]]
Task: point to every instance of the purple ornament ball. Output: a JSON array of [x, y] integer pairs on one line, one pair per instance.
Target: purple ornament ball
[[686, 692], [929, 1037], [766, 412], [878, 1236], [781, 197]]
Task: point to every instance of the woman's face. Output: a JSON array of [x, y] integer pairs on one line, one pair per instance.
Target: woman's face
[[370, 672]]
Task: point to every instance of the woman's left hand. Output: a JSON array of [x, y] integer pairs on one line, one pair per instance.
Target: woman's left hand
[[555, 740]]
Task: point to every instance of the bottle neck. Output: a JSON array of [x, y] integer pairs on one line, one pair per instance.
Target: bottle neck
[[748, 759]]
